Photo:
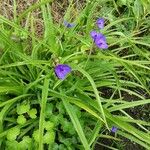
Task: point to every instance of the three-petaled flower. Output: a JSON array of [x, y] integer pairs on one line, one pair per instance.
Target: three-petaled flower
[[114, 129], [99, 40], [62, 70], [68, 25], [100, 23]]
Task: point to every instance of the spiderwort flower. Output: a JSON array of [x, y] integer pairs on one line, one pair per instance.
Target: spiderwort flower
[[100, 23], [68, 25], [94, 35], [62, 70], [101, 43], [99, 39], [114, 129]]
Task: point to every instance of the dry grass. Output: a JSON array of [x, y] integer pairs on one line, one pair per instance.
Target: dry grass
[[57, 6], [7, 10]]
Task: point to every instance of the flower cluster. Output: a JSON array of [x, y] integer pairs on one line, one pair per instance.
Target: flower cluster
[[62, 70], [98, 38]]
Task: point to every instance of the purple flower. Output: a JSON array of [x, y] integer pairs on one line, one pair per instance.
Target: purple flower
[[99, 39], [69, 25], [62, 71], [100, 23], [114, 129], [101, 43], [93, 34]]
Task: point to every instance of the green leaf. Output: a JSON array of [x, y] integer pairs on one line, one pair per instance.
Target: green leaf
[[12, 145], [32, 113], [25, 143], [94, 90], [13, 133], [138, 9], [21, 120], [11, 89], [49, 137], [42, 112], [95, 132], [23, 108], [49, 126], [129, 105], [76, 123], [132, 138], [36, 135]]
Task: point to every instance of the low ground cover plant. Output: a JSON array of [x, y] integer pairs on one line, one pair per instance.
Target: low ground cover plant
[[82, 83]]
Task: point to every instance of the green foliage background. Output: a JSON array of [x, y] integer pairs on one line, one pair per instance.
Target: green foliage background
[[38, 111]]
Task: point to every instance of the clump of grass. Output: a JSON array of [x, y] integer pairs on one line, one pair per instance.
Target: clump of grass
[[41, 111]]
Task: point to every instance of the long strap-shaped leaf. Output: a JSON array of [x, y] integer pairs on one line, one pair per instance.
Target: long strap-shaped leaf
[[129, 105], [42, 112], [95, 91], [76, 123]]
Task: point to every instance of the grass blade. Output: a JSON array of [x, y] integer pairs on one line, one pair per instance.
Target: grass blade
[[76, 123], [42, 112]]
